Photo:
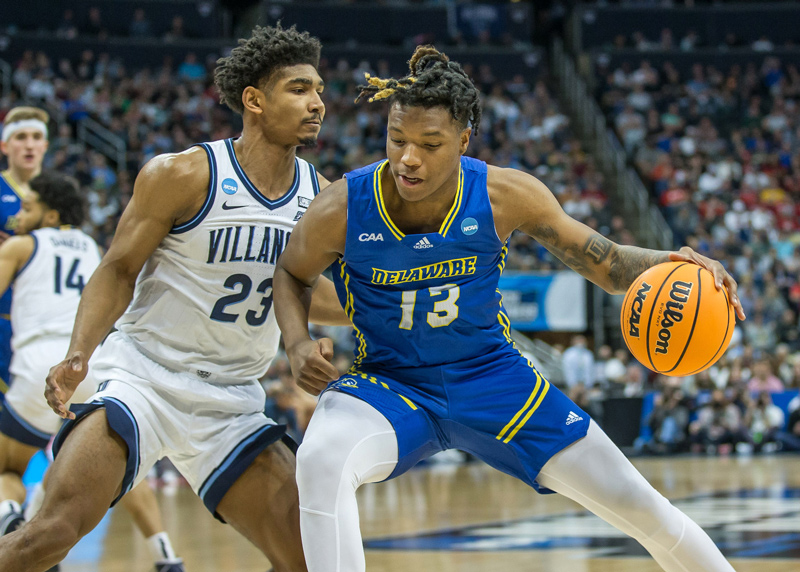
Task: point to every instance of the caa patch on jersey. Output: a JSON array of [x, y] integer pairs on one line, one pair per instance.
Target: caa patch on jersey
[[230, 186]]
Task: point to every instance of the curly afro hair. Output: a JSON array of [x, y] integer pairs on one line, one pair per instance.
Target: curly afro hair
[[61, 193], [433, 81], [255, 59]]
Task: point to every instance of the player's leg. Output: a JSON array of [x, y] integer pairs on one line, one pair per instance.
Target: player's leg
[[141, 504], [595, 473], [348, 443], [262, 506], [14, 458], [85, 479]]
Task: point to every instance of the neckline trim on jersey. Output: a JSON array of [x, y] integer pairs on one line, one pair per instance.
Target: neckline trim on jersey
[[12, 183], [399, 234], [270, 204]]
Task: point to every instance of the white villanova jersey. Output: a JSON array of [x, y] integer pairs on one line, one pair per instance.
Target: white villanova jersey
[[203, 300], [47, 290]]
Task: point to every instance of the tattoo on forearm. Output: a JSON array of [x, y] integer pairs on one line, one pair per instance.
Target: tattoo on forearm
[[628, 262], [597, 248], [624, 263]]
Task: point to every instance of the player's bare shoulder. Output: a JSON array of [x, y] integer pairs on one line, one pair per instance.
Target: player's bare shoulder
[[176, 182], [326, 218], [515, 197]]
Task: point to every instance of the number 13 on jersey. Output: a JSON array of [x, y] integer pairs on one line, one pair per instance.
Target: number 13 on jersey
[[444, 310]]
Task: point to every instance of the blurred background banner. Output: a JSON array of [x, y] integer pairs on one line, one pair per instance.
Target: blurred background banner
[[554, 301]]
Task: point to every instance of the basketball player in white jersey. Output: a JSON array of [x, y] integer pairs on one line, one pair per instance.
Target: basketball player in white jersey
[[196, 330], [50, 262]]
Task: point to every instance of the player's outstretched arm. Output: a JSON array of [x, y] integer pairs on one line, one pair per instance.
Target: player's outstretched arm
[[317, 241], [522, 202], [14, 254], [169, 190]]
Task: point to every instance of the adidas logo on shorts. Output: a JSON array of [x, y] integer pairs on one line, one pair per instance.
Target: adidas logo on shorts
[[424, 243], [573, 417]]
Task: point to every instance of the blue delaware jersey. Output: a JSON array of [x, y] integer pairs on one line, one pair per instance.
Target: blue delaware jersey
[[10, 203], [422, 300], [434, 353]]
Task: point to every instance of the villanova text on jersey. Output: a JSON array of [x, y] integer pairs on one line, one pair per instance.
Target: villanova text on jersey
[[249, 244]]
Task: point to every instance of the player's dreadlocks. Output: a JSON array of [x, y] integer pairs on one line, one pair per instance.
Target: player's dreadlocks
[[255, 59], [433, 81]]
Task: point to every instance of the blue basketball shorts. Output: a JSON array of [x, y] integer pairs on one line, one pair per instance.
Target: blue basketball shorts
[[496, 407]]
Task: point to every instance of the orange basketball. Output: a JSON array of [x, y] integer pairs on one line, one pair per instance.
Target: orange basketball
[[675, 321]]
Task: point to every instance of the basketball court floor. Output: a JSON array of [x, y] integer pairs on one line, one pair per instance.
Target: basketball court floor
[[471, 518]]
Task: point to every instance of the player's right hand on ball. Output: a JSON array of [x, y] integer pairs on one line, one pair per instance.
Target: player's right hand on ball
[[311, 364], [62, 381]]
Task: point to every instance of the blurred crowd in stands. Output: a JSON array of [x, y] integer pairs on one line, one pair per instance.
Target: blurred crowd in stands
[[720, 152]]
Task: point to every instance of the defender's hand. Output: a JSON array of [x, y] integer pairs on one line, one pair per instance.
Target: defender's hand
[[62, 381], [311, 364], [721, 276]]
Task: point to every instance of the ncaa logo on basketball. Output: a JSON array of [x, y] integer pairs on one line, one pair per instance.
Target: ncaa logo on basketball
[[229, 186], [679, 295], [469, 226], [636, 310]]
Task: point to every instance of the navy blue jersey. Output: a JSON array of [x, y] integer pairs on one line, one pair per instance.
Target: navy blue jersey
[[422, 299]]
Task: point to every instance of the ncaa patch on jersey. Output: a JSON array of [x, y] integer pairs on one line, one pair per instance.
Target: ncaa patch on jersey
[[303, 202], [230, 186], [469, 226]]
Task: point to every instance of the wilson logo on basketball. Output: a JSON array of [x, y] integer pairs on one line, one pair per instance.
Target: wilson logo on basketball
[[679, 295], [674, 320], [636, 310]]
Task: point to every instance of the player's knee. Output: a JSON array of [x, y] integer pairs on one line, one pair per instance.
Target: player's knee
[[648, 511], [311, 456]]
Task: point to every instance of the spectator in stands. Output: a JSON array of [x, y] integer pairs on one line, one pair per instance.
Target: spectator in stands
[[763, 379], [176, 31], [67, 28], [578, 363], [764, 420], [191, 69], [669, 422], [140, 26], [718, 426], [94, 24]]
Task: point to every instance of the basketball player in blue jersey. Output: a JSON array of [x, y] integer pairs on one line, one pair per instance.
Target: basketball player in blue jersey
[[24, 143], [418, 243], [189, 275]]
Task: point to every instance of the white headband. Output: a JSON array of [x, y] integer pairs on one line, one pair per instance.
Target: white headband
[[10, 128]]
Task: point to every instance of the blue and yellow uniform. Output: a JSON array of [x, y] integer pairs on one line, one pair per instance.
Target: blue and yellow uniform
[[10, 202], [433, 351]]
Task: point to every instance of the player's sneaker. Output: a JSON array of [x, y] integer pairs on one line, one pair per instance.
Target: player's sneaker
[[170, 566], [11, 522]]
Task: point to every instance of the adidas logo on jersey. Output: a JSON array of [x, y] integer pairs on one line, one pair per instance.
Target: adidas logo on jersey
[[573, 417], [424, 243]]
